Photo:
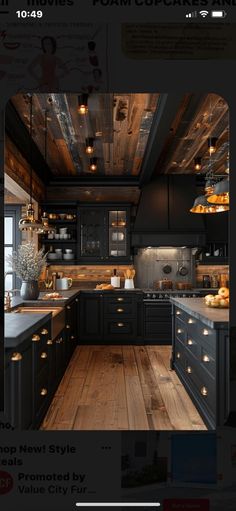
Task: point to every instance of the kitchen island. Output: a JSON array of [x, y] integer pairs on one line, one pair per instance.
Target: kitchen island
[[200, 356]]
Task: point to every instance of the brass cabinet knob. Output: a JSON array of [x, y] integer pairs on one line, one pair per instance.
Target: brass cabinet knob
[[44, 331], [206, 358], [72, 337], [43, 355], [120, 324], [178, 313], [179, 331], [36, 338], [120, 310], [205, 331], [189, 369], [77, 299], [191, 321], [178, 355], [204, 391], [67, 326], [190, 342], [49, 342], [68, 307], [120, 299], [16, 357], [43, 392]]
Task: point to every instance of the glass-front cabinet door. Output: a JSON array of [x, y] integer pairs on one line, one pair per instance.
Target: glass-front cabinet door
[[117, 233], [92, 227]]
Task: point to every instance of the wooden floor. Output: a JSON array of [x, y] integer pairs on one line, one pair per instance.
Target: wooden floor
[[121, 388]]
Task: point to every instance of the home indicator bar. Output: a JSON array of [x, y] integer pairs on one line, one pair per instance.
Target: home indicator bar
[[118, 504]]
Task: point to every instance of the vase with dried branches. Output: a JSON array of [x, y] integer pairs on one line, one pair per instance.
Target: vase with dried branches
[[28, 263]]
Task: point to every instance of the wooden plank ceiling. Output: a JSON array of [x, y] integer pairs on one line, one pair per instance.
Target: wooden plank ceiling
[[121, 125]]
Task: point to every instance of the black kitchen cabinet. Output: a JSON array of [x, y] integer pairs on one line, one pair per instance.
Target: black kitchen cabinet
[[200, 357], [71, 329], [111, 318], [152, 213], [18, 387], [91, 317], [217, 227], [157, 323], [104, 233]]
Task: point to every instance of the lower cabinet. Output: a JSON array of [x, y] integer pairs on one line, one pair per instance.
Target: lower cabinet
[[157, 323], [18, 391], [111, 318], [200, 358]]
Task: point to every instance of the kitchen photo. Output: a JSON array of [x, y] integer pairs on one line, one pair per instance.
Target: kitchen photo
[[116, 262]]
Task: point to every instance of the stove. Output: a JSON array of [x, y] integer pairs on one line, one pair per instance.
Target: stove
[[157, 296]]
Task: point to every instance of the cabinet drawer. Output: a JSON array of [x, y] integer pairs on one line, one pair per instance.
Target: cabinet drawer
[[180, 331], [207, 361], [120, 308], [40, 359], [40, 337], [202, 384], [158, 327], [121, 327], [118, 299], [161, 311]]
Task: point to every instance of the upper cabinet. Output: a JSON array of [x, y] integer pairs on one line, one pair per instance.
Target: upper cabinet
[[104, 233], [88, 234]]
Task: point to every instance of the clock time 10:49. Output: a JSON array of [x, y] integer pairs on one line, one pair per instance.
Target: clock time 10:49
[[29, 14]]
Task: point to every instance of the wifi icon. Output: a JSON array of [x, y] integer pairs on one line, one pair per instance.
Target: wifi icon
[[204, 13]]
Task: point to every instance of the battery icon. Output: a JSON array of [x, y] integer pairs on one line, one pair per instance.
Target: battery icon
[[218, 14]]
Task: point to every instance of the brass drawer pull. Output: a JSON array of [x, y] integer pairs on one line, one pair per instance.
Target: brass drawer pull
[[204, 391], [189, 342], [178, 355], [43, 355], [205, 331], [16, 357], [77, 299], [36, 338], [178, 313], [120, 310], [120, 324], [49, 342], [67, 326], [72, 337], [68, 307], [189, 369], [43, 392], [44, 331], [179, 331], [191, 321], [205, 358], [120, 299]]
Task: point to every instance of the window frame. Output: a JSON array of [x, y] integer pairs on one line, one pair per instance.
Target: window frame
[[13, 211]]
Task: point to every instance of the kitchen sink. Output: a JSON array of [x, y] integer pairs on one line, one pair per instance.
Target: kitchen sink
[[58, 316]]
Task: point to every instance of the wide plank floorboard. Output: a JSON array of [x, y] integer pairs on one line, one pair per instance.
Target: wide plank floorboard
[[121, 388]]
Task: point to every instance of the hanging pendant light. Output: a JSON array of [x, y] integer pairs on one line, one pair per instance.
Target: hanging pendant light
[[201, 205], [28, 222], [93, 164], [83, 104], [89, 148], [212, 141], [198, 163], [47, 229], [220, 194]]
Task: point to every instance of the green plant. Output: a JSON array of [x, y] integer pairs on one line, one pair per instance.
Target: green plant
[[27, 261]]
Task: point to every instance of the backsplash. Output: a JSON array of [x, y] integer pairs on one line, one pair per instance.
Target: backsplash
[[220, 272], [88, 276], [149, 264]]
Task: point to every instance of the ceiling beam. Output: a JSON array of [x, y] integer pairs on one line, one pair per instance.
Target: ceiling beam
[[167, 107], [105, 181], [20, 136]]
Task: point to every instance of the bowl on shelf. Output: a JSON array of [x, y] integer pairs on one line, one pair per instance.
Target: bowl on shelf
[[68, 257], [68, 251], [52, 216], [52, 256], [62, 216], [70, 217], [63, 230]]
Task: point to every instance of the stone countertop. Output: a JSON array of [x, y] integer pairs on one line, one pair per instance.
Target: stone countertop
[[212, 317], [19, 327]]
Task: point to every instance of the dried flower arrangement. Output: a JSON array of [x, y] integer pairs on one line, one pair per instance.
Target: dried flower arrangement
[[28, 262]]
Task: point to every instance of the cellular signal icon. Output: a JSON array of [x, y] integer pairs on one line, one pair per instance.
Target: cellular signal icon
[[191, 15], [204, 14]]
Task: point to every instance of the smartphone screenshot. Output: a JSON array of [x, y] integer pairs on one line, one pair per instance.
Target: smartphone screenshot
[[118, 331]]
